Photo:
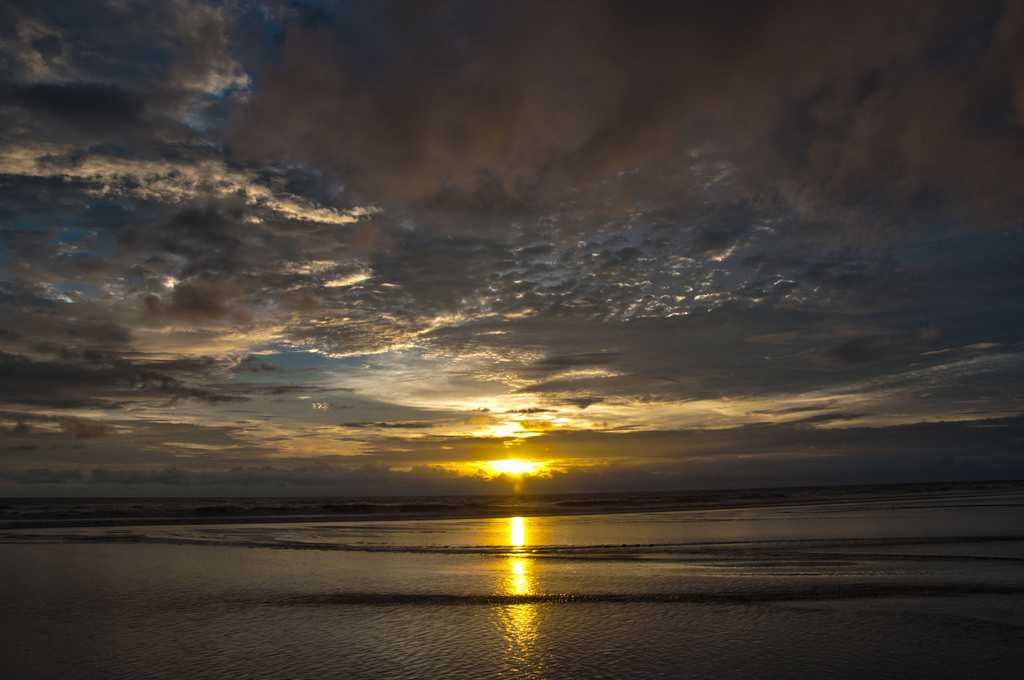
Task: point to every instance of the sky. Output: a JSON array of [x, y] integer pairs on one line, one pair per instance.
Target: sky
[[373, 247]]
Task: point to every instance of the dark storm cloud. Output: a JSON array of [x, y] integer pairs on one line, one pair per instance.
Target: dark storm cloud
[[171, 46], [86, 104], [438, 270], [106, 383], [37, 320], [892, 112], [195, 301], [859, 350], [77, 428]]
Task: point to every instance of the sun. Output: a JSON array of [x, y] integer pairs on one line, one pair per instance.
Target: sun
[[515, 467]]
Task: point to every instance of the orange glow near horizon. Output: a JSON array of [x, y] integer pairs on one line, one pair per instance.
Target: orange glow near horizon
[[515, 467]]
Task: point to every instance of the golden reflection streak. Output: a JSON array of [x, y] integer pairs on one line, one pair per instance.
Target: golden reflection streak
[[517, 532], [519, 580], [518, 621]]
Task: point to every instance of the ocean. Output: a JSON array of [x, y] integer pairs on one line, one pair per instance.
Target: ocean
[[917, 581]]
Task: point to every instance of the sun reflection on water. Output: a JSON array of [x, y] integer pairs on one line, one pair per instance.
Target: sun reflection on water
[[517, 532], [518, 621], [519, 580]]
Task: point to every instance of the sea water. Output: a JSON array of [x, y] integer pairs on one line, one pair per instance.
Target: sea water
[[888, 585]]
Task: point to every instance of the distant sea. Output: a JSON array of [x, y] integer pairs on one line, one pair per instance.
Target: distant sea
[[913, 581]]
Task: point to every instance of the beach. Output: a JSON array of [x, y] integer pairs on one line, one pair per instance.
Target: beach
[[903, 582]]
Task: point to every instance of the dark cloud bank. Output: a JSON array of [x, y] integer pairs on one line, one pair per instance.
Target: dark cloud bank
[[733, 243], [889, 114]]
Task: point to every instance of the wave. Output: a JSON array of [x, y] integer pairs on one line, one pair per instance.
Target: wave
[[785, 552], [833, 591], [84, 512]]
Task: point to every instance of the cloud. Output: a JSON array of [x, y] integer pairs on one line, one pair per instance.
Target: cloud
[[774, 455], [582, 402], [253, 364], [858, 350], [77, 428], [179, 49], [401, 425], [195, 301], [858, 111], [85, 104], [633, 223], [105, 174], [101, 382]]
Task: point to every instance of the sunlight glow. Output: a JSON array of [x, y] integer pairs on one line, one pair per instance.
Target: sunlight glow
[[513, 466]]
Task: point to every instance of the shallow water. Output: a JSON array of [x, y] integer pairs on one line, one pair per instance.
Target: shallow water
[[878, 588]]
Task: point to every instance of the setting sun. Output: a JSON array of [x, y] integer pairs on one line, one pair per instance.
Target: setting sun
[[513, 466]]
